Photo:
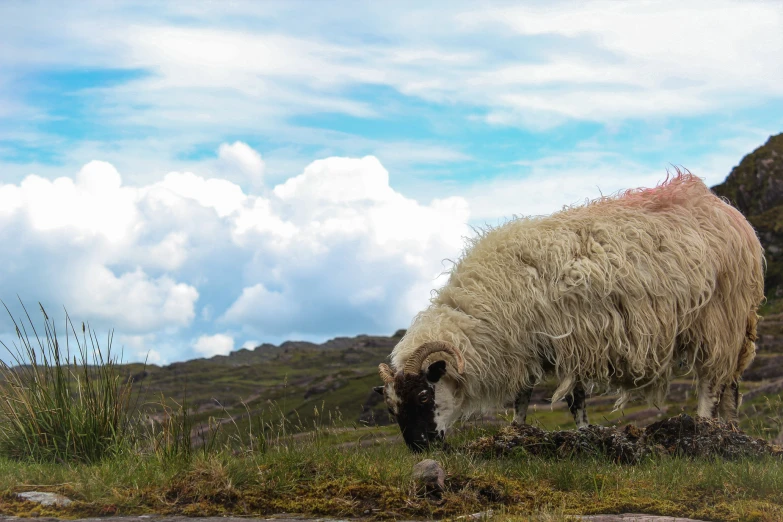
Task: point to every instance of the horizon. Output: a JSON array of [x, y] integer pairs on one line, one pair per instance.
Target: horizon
[[205, 177]]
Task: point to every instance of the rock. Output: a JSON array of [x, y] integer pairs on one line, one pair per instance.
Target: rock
[[481, 515], [44, 498], [755, 187], [430, 476], [374, 411]]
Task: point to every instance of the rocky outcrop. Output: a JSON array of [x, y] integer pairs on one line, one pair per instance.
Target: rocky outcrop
[[374, 411], [755, 187]]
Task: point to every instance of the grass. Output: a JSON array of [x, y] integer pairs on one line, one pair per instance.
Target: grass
[[318, 477], [73, 427], [59, 408]]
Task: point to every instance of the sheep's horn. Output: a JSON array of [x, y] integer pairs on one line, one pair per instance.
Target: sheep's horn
[[386, 374], [414, 362]]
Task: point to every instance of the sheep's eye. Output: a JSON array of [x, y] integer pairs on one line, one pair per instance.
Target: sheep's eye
[[424, 397]]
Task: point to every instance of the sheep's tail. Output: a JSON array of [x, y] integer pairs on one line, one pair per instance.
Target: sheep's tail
[[748, 351]]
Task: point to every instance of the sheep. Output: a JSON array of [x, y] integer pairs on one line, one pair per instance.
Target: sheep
[[618, 293]]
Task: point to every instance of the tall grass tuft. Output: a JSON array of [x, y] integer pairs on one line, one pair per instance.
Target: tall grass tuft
[[60, 406], [174, 436]]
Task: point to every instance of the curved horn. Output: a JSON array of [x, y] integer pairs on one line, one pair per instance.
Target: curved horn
[[414, 362], [386, 374]]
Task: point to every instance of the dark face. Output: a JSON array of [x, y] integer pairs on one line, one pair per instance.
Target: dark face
[[411, 401]]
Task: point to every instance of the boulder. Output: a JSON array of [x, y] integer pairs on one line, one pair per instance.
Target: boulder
[[44, 498]]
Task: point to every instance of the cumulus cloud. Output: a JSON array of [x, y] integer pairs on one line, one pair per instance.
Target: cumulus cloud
[[338, 180], [241, 163], [218, 344], [333, 250], [342, 231], [219, 194], [68, 243]]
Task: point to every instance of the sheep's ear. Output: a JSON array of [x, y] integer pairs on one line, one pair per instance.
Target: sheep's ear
[[378, 389], [436, 370]]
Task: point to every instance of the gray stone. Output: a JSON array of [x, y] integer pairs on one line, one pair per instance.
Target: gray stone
[[430, 475], [44, 498], [481, 515]]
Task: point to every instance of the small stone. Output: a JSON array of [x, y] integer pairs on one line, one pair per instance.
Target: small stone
[[481, 515], [430, 475], [44, 498]]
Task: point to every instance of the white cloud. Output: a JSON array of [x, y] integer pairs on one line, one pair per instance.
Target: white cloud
[[339, 229], [154, 357], [338, 180], [249, 345], [222, 195], [242, 163], [94, 204], [134, 301], [210, 345], [261, 304], [334, 250]]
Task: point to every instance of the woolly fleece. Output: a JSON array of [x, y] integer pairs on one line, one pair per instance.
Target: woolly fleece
[[620, 292]]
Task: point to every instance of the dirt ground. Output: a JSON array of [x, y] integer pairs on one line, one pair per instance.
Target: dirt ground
[[682, 435]]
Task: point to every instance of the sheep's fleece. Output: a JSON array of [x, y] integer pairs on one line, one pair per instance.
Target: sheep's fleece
[[620, 292]]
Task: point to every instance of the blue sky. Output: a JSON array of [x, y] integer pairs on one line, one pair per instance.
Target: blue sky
[[206, 175]]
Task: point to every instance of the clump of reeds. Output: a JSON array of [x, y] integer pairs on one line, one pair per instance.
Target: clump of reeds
[[58, 403]]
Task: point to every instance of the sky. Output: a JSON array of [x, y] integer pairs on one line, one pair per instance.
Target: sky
[[206, 176]]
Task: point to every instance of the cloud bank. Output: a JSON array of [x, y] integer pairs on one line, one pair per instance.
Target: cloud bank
[[334, 250]]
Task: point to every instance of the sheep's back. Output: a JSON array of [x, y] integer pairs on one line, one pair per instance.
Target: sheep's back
[[616, 290]]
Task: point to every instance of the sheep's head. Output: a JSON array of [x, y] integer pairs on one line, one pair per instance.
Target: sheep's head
[[422, 400]]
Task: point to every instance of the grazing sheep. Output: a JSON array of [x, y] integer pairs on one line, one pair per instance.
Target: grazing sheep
[[620, 292]]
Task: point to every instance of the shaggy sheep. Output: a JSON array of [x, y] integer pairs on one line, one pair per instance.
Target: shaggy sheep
[[621, 292]]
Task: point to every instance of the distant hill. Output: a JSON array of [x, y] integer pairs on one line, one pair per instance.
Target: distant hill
[[292, 380]]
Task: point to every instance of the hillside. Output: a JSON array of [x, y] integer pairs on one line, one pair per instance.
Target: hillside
[[293, 379]]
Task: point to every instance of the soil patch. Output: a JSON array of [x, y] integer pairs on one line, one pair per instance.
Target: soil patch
[[682, 436]]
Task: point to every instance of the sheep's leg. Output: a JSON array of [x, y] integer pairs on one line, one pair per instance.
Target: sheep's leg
[[709, 395], [520, 405], [576, 405], [728, 406]]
